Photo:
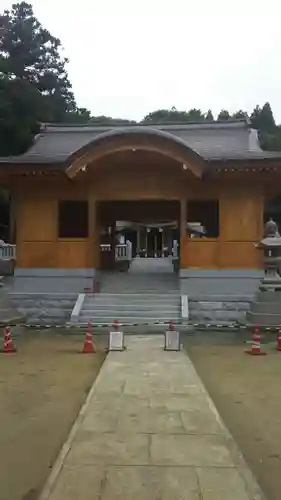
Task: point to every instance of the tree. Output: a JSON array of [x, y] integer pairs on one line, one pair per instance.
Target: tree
[[174, 116], [270, 141], [29, 52], [107, 120], [20, 105], [159, 116], [263, 119], [223, 115], [34, 85], [209, 116], [195, 115], [79, 116], [240, 115]]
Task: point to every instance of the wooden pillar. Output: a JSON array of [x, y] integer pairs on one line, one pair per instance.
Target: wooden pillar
[[183, 220], [12, 221], [94, 250]]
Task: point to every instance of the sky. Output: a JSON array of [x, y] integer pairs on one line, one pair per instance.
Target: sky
[[131, 57]]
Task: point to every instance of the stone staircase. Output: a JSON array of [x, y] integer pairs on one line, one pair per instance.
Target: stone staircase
[[134, 297]]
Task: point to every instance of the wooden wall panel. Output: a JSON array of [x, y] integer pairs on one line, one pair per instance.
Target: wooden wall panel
[[241, 211], [241, 216], [36, 220], [215, 254], [200, 254], [73, 254], [36, 254], [239, 255]]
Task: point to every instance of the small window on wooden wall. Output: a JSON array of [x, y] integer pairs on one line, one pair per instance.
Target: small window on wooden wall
[[73, 219], [207, 213]]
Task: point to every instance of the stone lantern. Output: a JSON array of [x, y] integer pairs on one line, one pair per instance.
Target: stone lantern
[[265, 310], [271, 246]]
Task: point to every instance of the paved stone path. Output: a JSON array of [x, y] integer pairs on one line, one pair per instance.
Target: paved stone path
[[149, 431]]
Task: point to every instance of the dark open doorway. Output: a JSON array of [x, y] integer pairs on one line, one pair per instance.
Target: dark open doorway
[[152, 227]]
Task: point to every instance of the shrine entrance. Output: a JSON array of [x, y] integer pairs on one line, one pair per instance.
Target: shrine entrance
[[149, 229], [155, 243]]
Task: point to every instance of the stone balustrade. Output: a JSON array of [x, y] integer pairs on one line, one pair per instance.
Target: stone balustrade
[[7, 251]]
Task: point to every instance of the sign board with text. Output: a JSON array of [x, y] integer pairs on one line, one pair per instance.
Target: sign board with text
[[116, 341], [172, 340]]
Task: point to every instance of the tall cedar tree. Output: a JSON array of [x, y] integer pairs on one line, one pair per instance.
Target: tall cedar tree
[[34, 84]]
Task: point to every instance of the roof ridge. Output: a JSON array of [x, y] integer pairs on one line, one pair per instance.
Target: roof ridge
[[65, 127]]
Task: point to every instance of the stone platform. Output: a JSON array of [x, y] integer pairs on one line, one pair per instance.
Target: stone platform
[[149, 431]]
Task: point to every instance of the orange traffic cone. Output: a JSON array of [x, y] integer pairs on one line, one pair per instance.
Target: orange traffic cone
[[8, 346], [89, 346], [256, 344], [278, 347]]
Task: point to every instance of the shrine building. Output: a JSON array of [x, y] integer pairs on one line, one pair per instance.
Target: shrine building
[[193, 193]]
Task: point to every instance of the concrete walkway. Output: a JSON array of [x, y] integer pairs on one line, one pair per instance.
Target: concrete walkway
[[149, 431]]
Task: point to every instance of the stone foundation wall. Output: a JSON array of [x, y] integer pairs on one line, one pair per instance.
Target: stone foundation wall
[[51, 281], [43, 308], [219, 295], [219, 308]]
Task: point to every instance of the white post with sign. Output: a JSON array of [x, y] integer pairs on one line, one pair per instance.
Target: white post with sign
[[116, 339], [172, 339]]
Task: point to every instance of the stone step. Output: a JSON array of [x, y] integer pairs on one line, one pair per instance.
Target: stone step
[[219, 297], [266, 308], [130, 312], [132, 299], [138, 283], [136, 290], [216, 315], [134, 306], [150, 293], [214, 306], [139, 277], [263, 319], [125, 319], [153, 303], [268, 297]]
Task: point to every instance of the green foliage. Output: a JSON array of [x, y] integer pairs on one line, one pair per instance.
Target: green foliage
[[79, 116], [223, 115], [240, 115], [175, 116], [262, 118], [209, 116], [34, 84], [107, 121], [19, 115]]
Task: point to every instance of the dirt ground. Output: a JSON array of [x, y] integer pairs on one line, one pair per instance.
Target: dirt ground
[[246, 391], [42, 388]]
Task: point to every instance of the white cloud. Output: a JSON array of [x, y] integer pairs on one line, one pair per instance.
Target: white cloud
[[130, 57]]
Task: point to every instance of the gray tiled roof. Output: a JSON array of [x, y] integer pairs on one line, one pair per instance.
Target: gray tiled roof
[[212, 141]]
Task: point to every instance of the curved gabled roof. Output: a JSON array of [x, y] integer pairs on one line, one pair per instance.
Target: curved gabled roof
[[146, 138], [60, 146]]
